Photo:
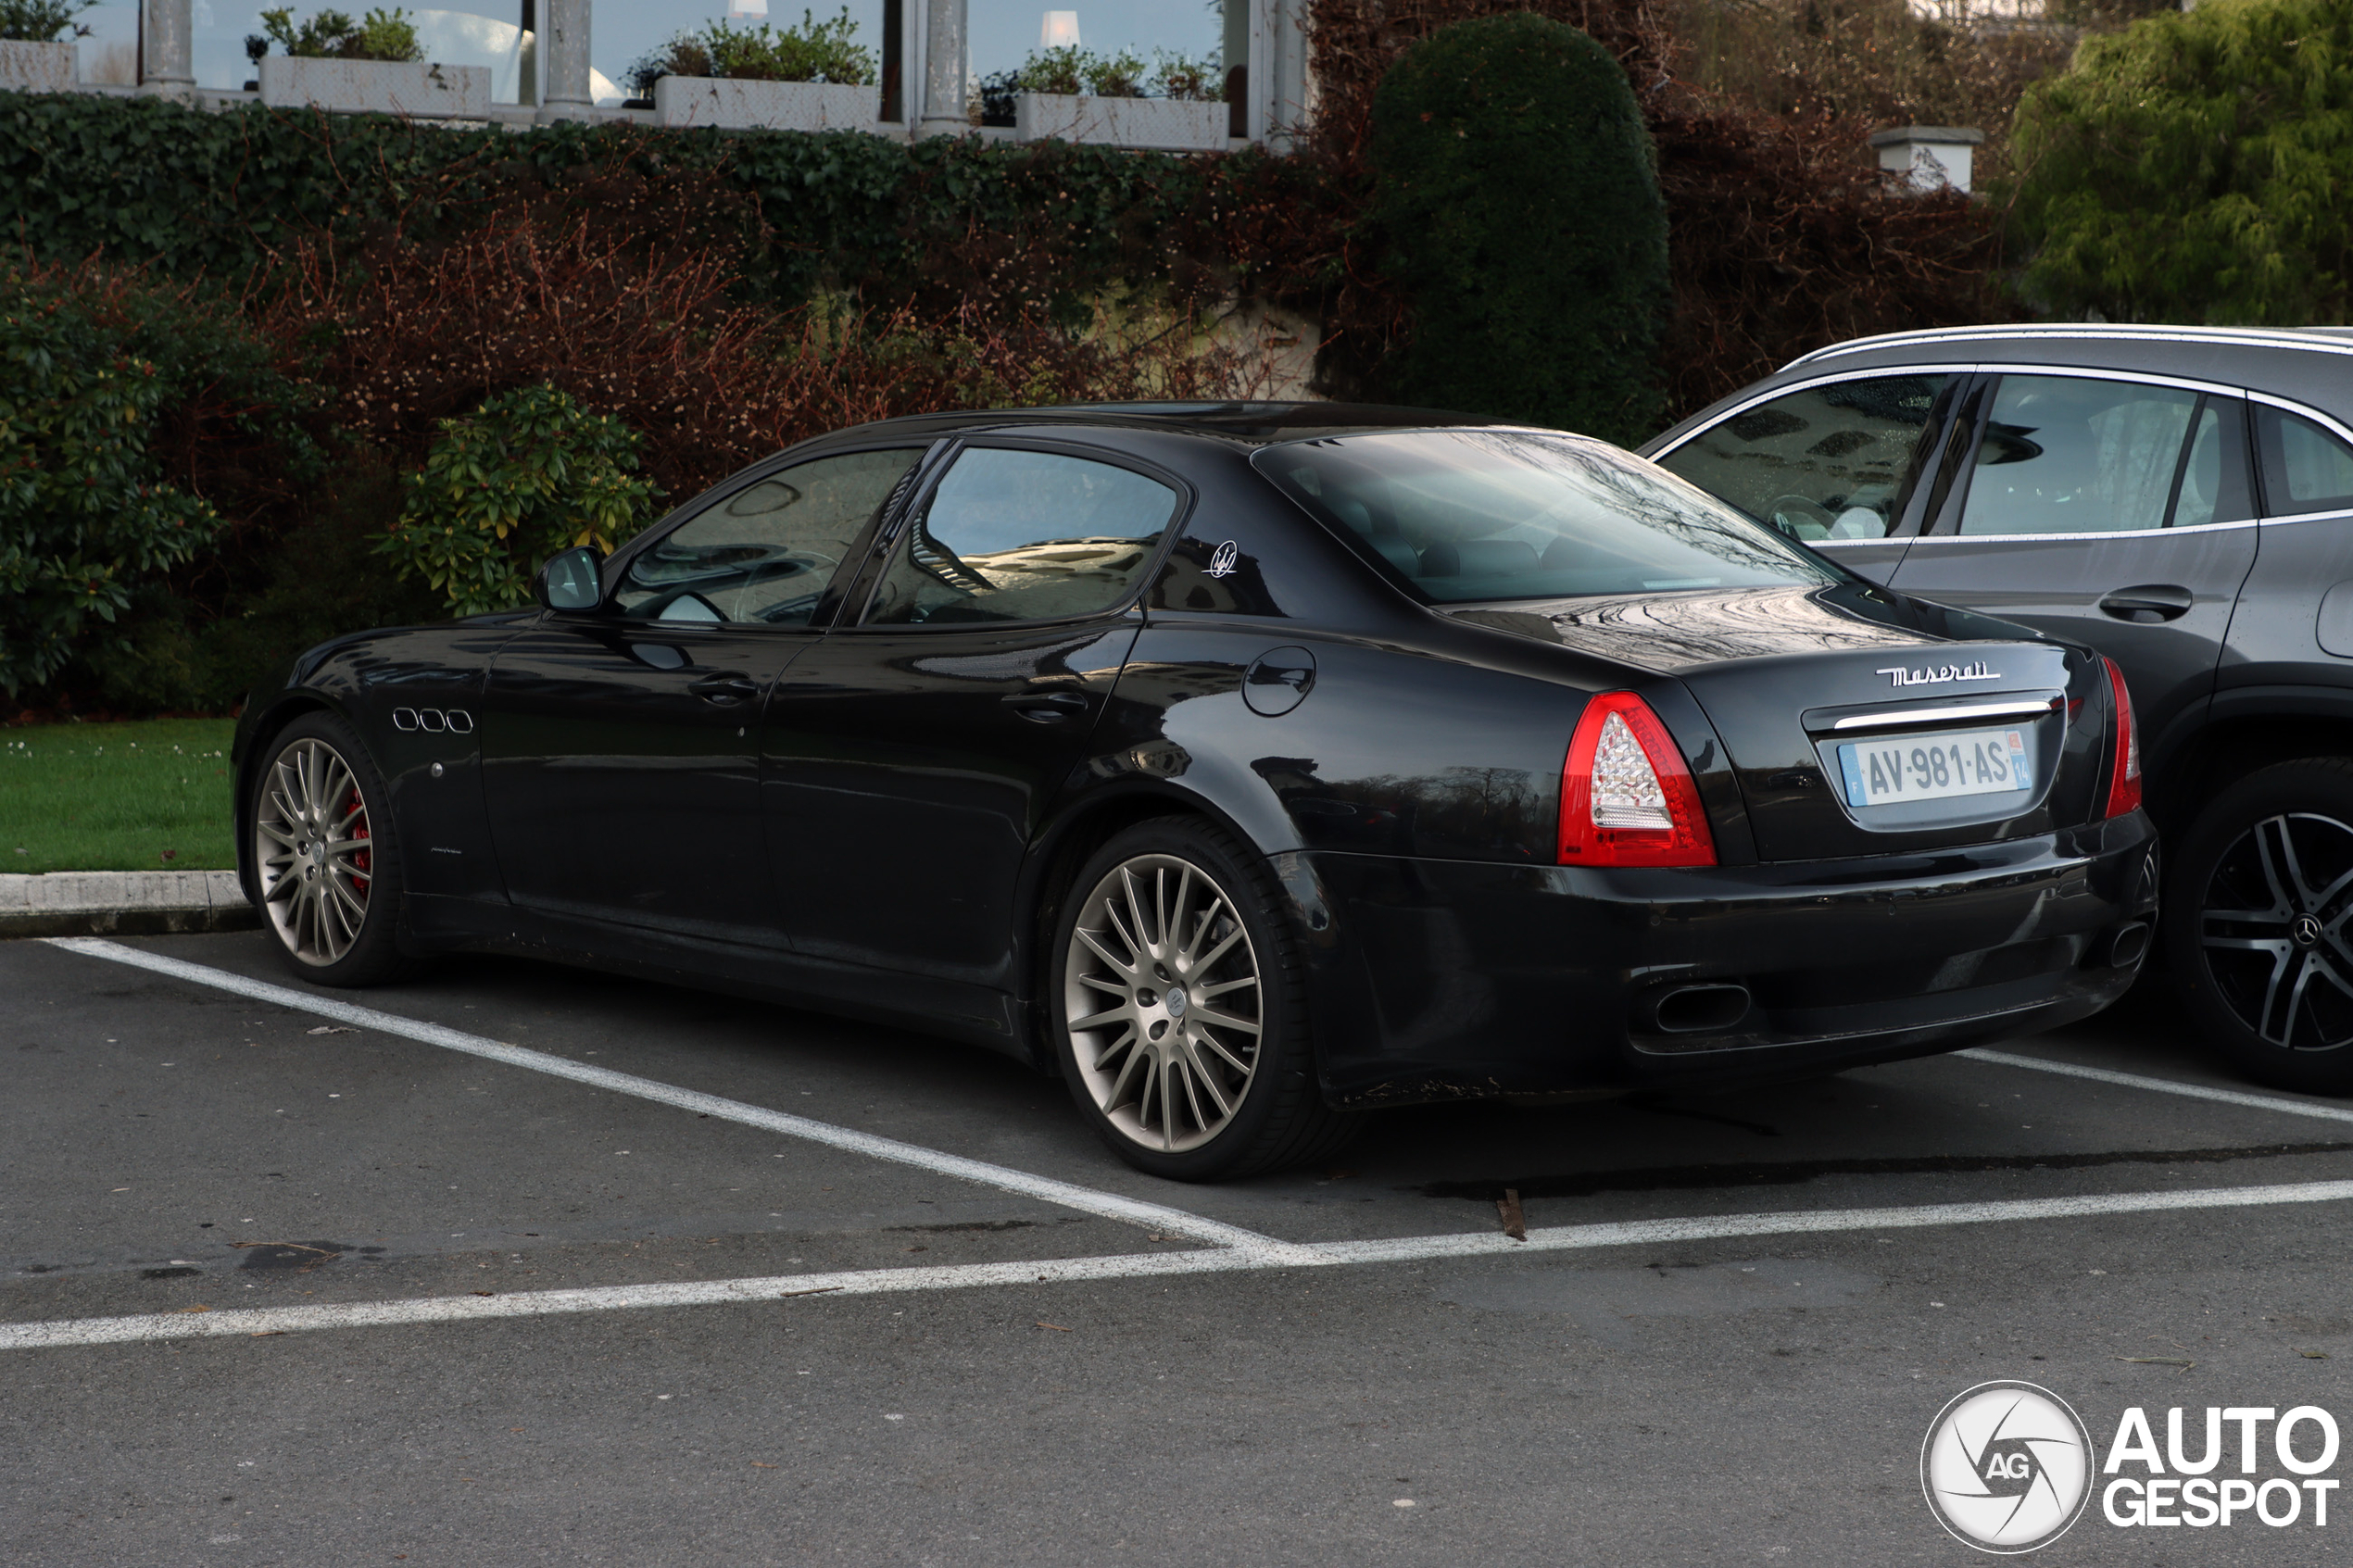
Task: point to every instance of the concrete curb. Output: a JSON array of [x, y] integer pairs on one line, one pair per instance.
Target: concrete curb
[[122, 904]]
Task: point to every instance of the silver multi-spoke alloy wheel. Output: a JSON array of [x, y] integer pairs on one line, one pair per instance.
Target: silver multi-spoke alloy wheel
[[2274, 926], [1161, 988], [312, 843]]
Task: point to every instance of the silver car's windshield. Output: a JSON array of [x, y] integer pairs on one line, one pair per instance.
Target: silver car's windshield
[[1463, 516]]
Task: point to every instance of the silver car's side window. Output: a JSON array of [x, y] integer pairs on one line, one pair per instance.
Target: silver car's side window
[[2073, 455], [2306, 468], [2214, 487], [1826, 462], [762, 556]]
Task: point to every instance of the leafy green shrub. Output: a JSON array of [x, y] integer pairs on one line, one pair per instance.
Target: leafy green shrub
[[814, 51], [1181, 76], [226, 424], [1518, 196], [1070, 69], [530, 473], [2192, 167], [40, 21], [331, 35], [83, 515]]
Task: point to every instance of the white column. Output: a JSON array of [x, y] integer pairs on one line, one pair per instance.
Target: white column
[[944, 109], [166, 29], [1278, 89], [564, 44]]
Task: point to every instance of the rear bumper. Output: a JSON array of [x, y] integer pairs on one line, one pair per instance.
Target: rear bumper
[[1440, 980]]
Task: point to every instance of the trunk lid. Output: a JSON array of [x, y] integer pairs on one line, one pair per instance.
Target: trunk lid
[[1858, 720]]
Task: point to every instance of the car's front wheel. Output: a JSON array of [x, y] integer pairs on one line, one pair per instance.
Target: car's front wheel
[[324, 855], [1179, 1011], [2258, 919]]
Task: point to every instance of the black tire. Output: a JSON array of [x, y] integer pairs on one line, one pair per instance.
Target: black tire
[[2258, 925], [1180, 994], [326, 855]]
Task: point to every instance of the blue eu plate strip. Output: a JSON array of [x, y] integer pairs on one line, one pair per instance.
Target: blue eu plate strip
[[1855, 794]]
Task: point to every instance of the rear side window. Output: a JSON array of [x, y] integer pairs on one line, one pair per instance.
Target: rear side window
[[1463, 516], [1016, 535], [2306, 468], [1828, 462], [2075, 455]]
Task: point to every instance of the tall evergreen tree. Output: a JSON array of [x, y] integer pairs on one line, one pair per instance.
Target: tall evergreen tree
[[1518, 190], [2196, 167]]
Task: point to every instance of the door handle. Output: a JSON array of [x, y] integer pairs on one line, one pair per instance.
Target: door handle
[[1047, 708], [726, 687], [2149, 602]]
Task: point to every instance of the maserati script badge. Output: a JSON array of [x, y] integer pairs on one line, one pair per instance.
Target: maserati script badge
[[1222, 563], [1937, 675]]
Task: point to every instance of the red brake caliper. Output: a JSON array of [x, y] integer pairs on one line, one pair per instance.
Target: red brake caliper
[[360, 858]]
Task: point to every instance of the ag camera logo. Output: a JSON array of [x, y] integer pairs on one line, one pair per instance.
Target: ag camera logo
[[2006, 1467]]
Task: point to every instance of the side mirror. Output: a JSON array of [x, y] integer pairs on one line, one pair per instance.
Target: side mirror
[[569, 581]]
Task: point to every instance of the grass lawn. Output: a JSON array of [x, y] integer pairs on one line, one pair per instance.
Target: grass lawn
[[147, 797]]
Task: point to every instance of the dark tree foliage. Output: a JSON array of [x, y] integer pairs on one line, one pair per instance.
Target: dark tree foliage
[[1518, 191]]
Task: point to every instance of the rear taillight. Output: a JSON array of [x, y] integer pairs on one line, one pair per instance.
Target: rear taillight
[[2124, 775], [1627, 795]]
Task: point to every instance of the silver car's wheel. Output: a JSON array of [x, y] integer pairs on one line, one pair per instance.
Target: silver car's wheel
[[2274, 929], [312, 846], [1161, 988]]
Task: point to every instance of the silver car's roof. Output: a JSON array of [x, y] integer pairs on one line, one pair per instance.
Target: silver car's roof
[[2311, 365]]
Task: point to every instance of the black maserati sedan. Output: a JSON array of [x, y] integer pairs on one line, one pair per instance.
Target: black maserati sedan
[[1244, 765]]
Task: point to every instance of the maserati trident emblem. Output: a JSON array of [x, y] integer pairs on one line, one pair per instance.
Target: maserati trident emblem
[[1221, 564], [1938, 674]]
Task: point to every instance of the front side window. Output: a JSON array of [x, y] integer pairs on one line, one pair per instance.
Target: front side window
[[1017, 535], [2070, 455], [1471, 515], [2304, 467], [764, 554], [1827, 462]]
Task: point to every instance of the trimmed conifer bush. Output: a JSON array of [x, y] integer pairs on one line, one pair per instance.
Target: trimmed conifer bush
[[1519, 194]]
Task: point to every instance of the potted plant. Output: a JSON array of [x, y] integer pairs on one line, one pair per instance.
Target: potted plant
[[31, 58], [812, 77], [1070, 94], [371, 65]]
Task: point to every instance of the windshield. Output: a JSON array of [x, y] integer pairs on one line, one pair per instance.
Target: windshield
[[1469, 515]]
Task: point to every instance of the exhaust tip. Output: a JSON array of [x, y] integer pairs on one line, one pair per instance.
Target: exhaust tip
[[1699, 1009], [2129, 946]]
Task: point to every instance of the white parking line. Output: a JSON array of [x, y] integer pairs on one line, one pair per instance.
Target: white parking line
[[2163, 1085], [1152, 1216], [186, 1324]]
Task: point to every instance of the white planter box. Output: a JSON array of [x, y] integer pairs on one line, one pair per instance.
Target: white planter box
[[1172, 124], [39, 67], [420, 89], [733, 105]]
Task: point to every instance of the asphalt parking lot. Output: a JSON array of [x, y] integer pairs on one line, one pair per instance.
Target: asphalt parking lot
[[359, 1292]]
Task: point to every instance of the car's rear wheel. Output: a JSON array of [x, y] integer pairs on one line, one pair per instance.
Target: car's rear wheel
[[1179, 1011], [325, 855], [2258, 919]]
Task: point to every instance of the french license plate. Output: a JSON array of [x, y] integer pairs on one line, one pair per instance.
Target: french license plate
[[1889, 772]]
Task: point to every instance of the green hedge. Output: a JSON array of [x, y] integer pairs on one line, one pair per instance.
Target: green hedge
[[190, 190]]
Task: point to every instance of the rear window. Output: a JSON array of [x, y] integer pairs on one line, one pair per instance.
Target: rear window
[[1463, 516]]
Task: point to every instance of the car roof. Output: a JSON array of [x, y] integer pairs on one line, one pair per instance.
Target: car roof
[[2081, 336], [2312, 366], [1250, 423]]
